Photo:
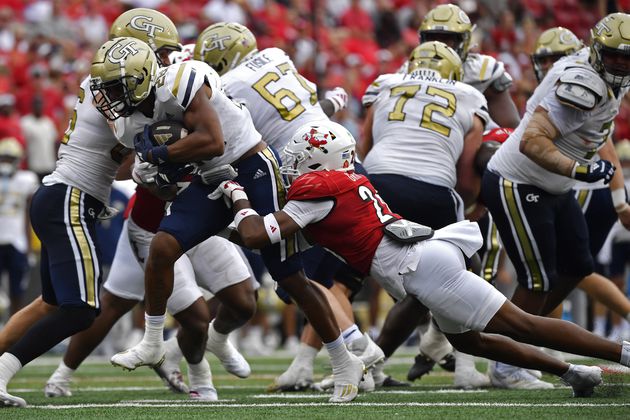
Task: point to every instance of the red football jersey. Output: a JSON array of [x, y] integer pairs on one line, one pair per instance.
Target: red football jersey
[[354, 227]]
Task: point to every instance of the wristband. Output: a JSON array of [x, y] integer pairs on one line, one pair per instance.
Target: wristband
[[238, 195], [273, 228], [619, 198], [583, 169], [159, 154], [241, 214]]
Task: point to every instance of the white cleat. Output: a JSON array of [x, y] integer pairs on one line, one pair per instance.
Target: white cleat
[[367, 382], [470, 379], [511, 377], [8, 400], [298, 378], [169, 371], [204, 393], [230, 358], [57, 388], [140, 355], [347, 380], [583, 379], [367, 350]]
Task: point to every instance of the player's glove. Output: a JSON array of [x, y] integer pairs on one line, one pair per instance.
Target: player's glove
[[231, 191], [214, 176], [143, 173], [594, 171], [338, 97], [146, 150], [172, 173]]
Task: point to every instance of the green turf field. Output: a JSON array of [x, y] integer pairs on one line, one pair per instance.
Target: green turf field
[[102, 391]]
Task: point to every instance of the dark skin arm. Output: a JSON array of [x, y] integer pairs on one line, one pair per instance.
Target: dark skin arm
[[501, 108], [365, 144], [468, 181], [205, 140], [124, 170], [251, 230]]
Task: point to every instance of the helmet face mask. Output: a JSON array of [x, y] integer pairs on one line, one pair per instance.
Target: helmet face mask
[[449, 24], [552, 45], [224, 46], [610, 49], [318, 146], [122, 76], [436, 56]]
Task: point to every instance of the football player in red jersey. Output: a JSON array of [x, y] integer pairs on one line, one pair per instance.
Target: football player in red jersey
[[342, 211]]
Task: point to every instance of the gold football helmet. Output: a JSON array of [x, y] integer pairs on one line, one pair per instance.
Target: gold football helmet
[[150, 26], [449, 24], [552, 45], [610, 49], [123, 75], [439, 57], [224, 45], [11, 153]]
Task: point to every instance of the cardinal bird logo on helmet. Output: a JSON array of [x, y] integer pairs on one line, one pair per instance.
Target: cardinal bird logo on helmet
[[318, 139]]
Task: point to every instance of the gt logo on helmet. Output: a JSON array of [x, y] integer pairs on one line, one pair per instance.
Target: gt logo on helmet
[[215, 42], [119, 55], [142, 23]]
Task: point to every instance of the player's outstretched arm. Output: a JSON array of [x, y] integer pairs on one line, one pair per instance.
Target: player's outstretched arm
[[502, 108], [365, 143], [617, 184], [468, 180], [256, 231]]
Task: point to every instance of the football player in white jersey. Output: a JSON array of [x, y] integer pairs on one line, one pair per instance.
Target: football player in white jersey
[[220, 133], [528, 183], [280, 100], [428, 109], [16, 189], [125, 285], [450, 24]]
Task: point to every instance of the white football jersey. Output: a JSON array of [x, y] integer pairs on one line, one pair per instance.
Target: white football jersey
[[175, 87], [89, 155], [14, 194], [582, 133], [420, 121], [278, 97], [480, 71]]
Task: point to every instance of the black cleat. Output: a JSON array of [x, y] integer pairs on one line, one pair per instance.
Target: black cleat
[[421, 366], [448, 362], [390, 382]]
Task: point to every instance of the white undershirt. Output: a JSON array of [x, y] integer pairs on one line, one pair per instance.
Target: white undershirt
[[308, 211]]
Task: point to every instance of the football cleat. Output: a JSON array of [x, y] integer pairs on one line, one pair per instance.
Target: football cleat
[[367, 382], [293, 379], [347, 380], [421, 366], [511, 377], [470, 379], [57, 388], [8, 400], [448, 362], [140, 355], [169, 370], [204, 393], [230, 358], [583, 379], [366, 350]]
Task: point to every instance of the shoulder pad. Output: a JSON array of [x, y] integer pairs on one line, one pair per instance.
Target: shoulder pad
[[375, 88], [183, 80], [323, 184], [404, 67], [580, 88]]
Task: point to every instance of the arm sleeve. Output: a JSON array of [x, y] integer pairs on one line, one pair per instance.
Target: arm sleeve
[[309, 211]]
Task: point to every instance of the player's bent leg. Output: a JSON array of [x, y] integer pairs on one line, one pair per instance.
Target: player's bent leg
[[194, 330], [606, 292], [83, 344], [164, 252], [238, 306], [22, 320]]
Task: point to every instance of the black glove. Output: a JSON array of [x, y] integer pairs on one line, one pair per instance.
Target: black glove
[[594, 171]]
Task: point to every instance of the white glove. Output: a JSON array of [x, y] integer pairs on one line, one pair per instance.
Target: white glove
[[144, 173], [230, 190], [338, 97], [213, 176]]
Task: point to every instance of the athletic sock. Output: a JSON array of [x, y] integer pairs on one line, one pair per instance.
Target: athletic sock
[[625, 353], [154, 328], [199, 374], [215, 337], [63, 373], [351, 333], [9, 366], [339, 355]]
